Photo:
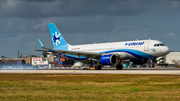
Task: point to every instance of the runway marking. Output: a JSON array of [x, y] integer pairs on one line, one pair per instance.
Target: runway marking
[[171, 72], [151, 72], [35, 71], [165, 72]]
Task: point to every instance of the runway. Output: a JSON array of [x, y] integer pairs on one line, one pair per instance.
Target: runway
[[163, 71]]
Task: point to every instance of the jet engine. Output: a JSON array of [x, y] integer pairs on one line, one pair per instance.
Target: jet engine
[[109, 59]]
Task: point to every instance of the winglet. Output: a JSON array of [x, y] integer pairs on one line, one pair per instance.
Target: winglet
[[40, 43]]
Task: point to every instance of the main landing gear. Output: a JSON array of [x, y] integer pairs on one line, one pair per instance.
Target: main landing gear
[[119, 67], [98, 67]]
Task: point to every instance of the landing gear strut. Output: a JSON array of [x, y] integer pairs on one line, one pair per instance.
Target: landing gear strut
[[119, 67], [98, 67]]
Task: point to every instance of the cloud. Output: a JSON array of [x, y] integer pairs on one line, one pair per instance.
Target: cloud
[[64, 24], [85, 21], [60, 8], [76, 8], [171, 34], [169, 4]]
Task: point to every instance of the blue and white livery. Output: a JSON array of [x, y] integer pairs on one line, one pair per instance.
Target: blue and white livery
[[138, 51]]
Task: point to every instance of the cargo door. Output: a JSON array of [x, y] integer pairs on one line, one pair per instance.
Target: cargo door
[[146, 46]]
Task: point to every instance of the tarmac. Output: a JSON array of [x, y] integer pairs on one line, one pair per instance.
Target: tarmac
[[149, 71]]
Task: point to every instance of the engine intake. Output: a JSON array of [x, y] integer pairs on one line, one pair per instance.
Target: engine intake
[[139, 61], [109, 59]]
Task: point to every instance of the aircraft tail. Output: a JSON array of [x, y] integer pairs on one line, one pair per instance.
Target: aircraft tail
[[57, 39]]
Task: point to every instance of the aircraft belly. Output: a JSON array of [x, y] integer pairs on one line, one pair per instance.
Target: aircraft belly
[[130, 56], [123, 55], [74, 57]]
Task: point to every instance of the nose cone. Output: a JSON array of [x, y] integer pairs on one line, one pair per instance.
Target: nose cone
[[166, 50]]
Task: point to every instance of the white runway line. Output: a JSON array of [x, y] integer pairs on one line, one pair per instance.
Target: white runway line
[[36, 71], [175, 72]]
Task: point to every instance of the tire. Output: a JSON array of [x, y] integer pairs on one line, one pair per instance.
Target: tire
[[98, 67], [119, 67]]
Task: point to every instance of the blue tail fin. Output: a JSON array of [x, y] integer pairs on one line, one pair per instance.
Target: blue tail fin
[[58, 41]]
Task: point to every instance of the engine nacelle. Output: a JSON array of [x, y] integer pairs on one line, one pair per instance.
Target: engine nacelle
[[139, 61], [109, 59]]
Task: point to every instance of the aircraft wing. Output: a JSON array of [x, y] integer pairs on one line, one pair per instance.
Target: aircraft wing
[[77, 53], [64, 52]]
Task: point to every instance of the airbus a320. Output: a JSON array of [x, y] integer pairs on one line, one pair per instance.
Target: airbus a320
[[138, 51]]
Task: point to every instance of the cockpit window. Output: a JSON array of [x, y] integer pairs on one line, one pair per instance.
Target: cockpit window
[[156, 45], [161, 44]]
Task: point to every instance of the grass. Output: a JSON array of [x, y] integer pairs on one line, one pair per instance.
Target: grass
[[64, 87]]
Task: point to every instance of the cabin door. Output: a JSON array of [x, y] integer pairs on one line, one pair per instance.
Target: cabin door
[[146, 46]]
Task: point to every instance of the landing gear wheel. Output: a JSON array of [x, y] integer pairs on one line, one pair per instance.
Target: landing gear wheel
[[98, 67], [119, 67]]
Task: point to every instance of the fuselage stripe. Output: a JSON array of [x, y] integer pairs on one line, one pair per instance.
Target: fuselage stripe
[[137, 54]]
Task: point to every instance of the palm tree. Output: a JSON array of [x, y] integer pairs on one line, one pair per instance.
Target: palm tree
[[3, 56]]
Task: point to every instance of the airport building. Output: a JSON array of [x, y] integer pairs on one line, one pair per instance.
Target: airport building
[[31, 62]]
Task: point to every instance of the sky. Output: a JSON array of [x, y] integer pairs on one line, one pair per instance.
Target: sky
[[86, 22]]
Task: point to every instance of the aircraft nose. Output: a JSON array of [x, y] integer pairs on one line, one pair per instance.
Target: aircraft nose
[[166, 50]]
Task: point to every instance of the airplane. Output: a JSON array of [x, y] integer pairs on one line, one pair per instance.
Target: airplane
[[138, 52]]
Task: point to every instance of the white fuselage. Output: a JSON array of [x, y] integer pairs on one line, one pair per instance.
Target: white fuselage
[[126, 49]]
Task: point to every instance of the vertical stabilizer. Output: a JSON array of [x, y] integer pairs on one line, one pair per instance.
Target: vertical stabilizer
[[57, 39]]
